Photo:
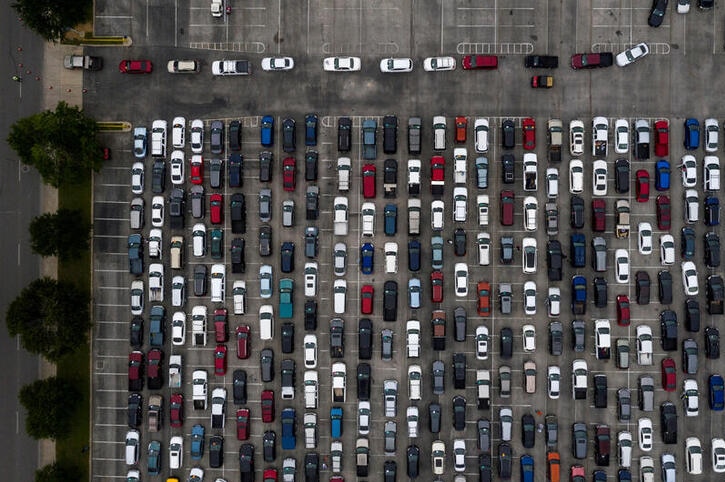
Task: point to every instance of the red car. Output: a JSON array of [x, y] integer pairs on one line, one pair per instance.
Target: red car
[[599, 215], [135, 67], [367, 292], [528, 125], [216, 208], [642, 186], [135, 371], [368, 181], [484, 298], [288, 174], [669, 375], [461, 128], [243, 424], [591, 60], [267, 399], [196, 175], [221, 331], [243, 341], [176, 410], [662, 138], [436, 291], [269, 475], [623, 316], [507, 208], [663, 213], [220, 360], [577, 471], [476, 62]]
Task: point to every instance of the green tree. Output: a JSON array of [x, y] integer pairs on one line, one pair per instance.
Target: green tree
[[50, 404], [51, 317], [58, 472], [52, 18], [63, 233], [60, 144]]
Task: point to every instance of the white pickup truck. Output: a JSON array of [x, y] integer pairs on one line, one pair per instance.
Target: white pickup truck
[[175, 371]]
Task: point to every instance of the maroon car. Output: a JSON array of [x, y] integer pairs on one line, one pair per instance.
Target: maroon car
[[135, 67], [243, 424], [663, 212], [591, 60], [176, 410], [243, 342]]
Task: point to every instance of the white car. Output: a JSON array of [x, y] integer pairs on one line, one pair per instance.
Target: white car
[[711, 132], [311, 279], [341, 64], [178, 133], [176, 452], [461, 274], [436, 218], [217, 8], [576, 176], [645, 238], [367, 215], [667, 250], [644, 427], [480, 129], [644, 345], [632, 54], [576, 137], [718, 455], [689, 279], [579, 374], [435, 64], [197, 136], [396, 64], [460, 202], [711, 173], [531, 209], [310, 343], [278, 63], [528, 338], [438, 453], [481, 342], [553, 377], [693, 455], [198, 240], [689, 171], [554, 301], [239, 294], [603, 339], [621, 136], [692, 206], [230, 67], [690, 399], [137, 177], [624, 444], [157, 211], [391, 257], [363, 417], [178, 328], [552, 183], [600, 136], [530, 298], [599, 178], [683, 6], [528, 255], [339, 219], [621, 262], [137, 297], [484, 249], [339, 259], [459, 455], [177, 167], [411, 415], [482, 204]]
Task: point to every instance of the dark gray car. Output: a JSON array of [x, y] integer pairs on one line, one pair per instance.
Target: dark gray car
[[689, 356], [265, 240], [200, 275], [460, 318], [438, 377], [265, 205], [578, 338], [624, 405], [434, 412], [484, 435], [266, 361], [198, 201], [551, 425], [215, 173], [216, 139], [556, 338], [239, 387], [579, 442]]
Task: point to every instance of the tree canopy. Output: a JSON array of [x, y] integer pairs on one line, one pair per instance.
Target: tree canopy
[[63, 233], [50, 404], [51, 317], [52, 18], [58, 472], [60, 144]]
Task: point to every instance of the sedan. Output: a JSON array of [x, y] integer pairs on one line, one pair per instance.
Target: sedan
[[576, 137], [278, 63], [599, 178], [664, 213], [642, 185], [243, 335], [366, 299], [220, 360], [718, 455], [669, 375], [135, 67], [481, 342], [461, 276], [177, 168], [436, 64], [632, 54], [645, 238], [621, 258], [576, 176], [436, 281], [689, 171], [644, 427], [393, 65], [689, 279], [341, 64]]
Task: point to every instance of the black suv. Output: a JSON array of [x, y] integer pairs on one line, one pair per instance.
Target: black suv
[[459, 412], [265, 166], [390, 301], [577, 212], [600, 292], [237, 251], [668, 422], [158, 176], [310, 315], [216, 451], [344, 128], [621, 176], [390, 134], [508, 131], [235, 135], [668, 327], [363, 381], [528, 430], [311, 158], [506, 342], [715, 295], [664, 278], [234, 170], [642, 287], [692, 315], [712, 250], [459, 371], [239, 387], [365, 339], [459, 242], [238, 212], [600, 390], [712, 343], [554, 260], [507, 163], [289, 135], [288, 338]]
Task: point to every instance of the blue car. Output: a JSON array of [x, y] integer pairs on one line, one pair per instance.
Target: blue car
[[336, 422], [289, 440], [311, 130], [578, 250], [267, 131], [624, 475], [391, 219], [712, 211], [527, 468], [414, 255], [692, 134], [717, 392], [197, 442], [367, 255], [662, 175]]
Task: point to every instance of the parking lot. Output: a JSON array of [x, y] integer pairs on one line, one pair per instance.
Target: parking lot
[[673, 83]]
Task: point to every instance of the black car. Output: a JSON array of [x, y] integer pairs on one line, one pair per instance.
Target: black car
[[265, 240], [668, 422], [577, 212], [158, 176], [238, 213], [459, 412], [642, 287], [135, 403], [287, 257], [600, 390], [310, 315], [344, 136], [269, 446], [413, 461], [136, 332], [715, 294], [363, 381], [712, 250], [289, 135], [414, 255], [621, 176], [239, 387], [528, 430], [460, 320], [312, 467], [668, 327], [505, 465], [266, 362], [235, 135], [311, 158], [311, 130], [508, 131], [390, 471], [337, 338], [712, 343], [692, 315], [200, 275], [390, 300], [246, 463], [234, 167], [265, 166], [664, 278], [365, 339], [506, 343], [459, 371], [600, 292], [237, 251], [507, 171], [507, 249], [459, 242], [484, 468], [216, 451], [390, 177], [312, 203], [434, 417], [390, 134], [687, 242], [541, 61], [177, 208], [657, 14], [288, 337], [554, 260], [556, 338]]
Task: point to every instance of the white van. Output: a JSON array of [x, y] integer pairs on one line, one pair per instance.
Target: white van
[[178, 129], [177, 252], [339, 295], [266, 322], [218, 273], [198, 240], [133, 442], [436, 215], [391, 257], [439, 133]]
